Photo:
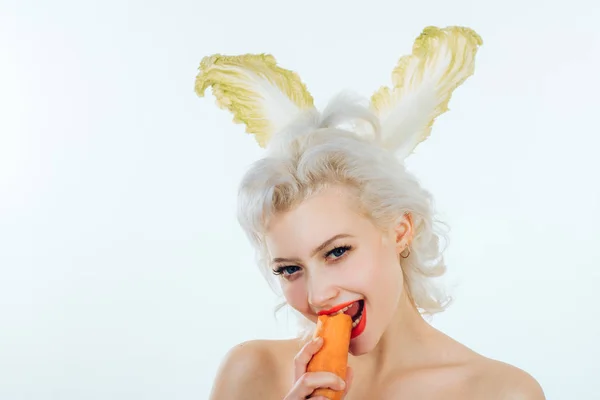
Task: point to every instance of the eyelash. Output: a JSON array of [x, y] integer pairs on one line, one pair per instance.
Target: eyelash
[[282, 269]]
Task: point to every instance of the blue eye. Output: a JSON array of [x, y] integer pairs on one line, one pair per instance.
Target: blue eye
[[286, 270], [338, 251]]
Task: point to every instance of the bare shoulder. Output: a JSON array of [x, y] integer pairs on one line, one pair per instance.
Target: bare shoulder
[[251, 370], [500, 381]]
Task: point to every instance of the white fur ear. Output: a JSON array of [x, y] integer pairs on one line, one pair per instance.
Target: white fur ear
[[346, 111], [423, 82], [283, 140]]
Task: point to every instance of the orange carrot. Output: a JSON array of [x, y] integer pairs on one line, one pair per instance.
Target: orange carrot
[[333, 355]]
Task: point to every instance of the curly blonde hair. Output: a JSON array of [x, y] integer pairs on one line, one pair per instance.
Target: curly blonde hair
[[306, 162], [360, 147]]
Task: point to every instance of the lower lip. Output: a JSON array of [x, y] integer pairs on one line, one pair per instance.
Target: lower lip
[[358, 329]]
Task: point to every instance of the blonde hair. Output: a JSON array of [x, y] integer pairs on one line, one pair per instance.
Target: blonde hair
[[360, 147], [306, 162]]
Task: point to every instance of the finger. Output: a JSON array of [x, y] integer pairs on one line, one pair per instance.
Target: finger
[[314, 380], [304, 355], [349, 377]]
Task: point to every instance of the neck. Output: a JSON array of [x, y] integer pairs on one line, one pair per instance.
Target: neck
[[408, 342]]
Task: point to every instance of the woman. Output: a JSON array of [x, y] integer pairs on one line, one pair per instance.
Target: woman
[[338, 222]]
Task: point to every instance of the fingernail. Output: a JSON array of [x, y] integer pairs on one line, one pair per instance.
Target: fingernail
[[342, 384]]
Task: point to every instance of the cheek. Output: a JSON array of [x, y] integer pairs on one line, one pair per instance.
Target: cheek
[[392, 270], [296, 296], [381, 273]]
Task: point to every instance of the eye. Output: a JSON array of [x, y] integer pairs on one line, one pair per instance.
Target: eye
[[338, 252], [286, 270]]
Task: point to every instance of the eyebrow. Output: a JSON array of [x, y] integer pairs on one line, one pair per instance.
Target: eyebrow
[[318, 249]]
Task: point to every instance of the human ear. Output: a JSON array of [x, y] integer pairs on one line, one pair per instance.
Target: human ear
[[403, 232]]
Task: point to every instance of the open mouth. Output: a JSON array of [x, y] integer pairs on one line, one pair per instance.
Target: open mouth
[[355, 311]]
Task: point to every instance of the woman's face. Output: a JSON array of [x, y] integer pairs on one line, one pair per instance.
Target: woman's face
[[326, 255]]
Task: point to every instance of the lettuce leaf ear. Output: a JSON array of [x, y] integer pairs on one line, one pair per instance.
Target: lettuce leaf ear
[[423, 82], [255, 90]]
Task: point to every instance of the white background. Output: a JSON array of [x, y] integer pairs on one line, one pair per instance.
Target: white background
[[123, 272]]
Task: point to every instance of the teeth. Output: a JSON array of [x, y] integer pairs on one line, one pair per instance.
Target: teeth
[[357, 320], [342, 310]]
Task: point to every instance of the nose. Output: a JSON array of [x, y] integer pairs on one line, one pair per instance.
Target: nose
[[321, 292]]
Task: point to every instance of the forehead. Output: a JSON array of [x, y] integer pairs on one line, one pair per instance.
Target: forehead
[[318, 218]]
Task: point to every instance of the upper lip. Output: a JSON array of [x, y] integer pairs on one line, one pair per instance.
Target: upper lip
[[336, 308]]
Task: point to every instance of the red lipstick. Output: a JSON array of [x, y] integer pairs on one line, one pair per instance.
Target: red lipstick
[[360, 328], [336, 308], [362, 309]]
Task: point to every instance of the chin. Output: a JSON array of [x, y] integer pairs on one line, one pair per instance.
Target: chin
[[357, 350], [362, 345]]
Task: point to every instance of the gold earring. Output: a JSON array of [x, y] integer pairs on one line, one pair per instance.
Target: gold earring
[[402, 253]]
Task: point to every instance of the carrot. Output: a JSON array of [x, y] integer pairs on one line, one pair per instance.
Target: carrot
[[333, 355]]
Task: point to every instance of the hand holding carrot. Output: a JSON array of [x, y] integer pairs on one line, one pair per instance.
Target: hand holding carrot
[[321, 365]]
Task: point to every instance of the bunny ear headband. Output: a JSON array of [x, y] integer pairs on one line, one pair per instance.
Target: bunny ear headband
[[266, 98]]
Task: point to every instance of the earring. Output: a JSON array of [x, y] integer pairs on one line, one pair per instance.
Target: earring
[[402, 253]]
